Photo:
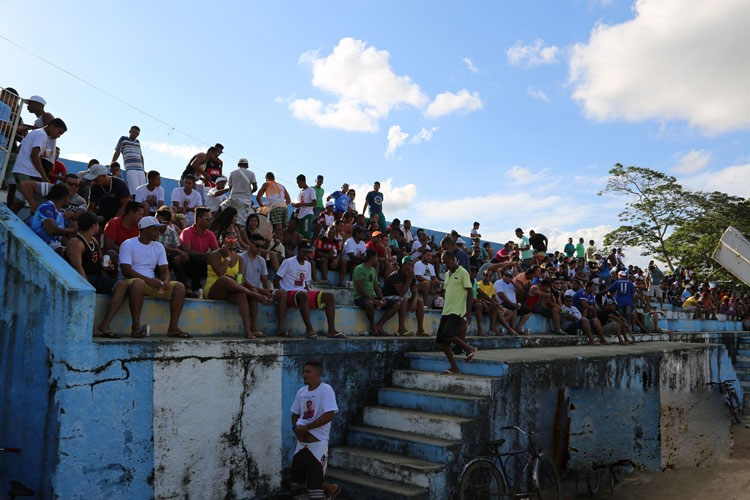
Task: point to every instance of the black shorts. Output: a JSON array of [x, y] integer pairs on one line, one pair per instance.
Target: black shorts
[[572, 329], [103, 284], [523, 311], [450, 326], [540, 309]]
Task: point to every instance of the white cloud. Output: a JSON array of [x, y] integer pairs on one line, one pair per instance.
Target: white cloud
[[470, 65], [364, 84], [82, 157], [522, 175], [183, 151], [732, 180], [675, 60], [423, 135], [532, 54], [284, 100], [692, 162], [448, 102], [396, 139], [537, 94], [396, 199]]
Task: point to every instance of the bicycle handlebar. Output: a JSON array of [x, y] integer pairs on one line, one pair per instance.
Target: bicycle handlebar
[[511, 427]]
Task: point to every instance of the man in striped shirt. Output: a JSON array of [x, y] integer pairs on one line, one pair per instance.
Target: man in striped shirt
[[132, 158]]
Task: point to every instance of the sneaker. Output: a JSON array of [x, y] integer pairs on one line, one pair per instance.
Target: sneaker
[[561, 332], [526, 331], [199, 293]]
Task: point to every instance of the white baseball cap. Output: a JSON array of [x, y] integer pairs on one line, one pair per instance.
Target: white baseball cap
[[149, 221], [569, 293], [243, 161], [39, 99], [95, 171], [221, 178]]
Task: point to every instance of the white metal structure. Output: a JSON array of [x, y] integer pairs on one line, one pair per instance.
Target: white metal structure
[[733, 252]]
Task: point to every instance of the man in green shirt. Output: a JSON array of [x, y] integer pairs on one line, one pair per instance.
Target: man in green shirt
[[368, 296], [457, 307], [318, 188], [580, 249], [527, 254], [653, 279]]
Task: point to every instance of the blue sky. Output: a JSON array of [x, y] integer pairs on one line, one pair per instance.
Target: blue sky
[[522, 106]]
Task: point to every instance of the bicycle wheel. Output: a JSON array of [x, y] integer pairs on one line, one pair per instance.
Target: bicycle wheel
[[594, 480], [481, 481], [735, 408], [547, 480]]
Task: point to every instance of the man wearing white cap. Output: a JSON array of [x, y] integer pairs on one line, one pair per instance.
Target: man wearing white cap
[[132, 157], [138, 259], [35, 104], [108, 195], [217, 194], [242, 184]]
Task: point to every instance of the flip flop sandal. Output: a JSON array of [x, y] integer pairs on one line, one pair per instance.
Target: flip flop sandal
[[258, 334], [179, 335], [337, 336], [470, 356], [106, 335], [448, 372], [312, 336], [335, 493], [143, 332], [283, 333]]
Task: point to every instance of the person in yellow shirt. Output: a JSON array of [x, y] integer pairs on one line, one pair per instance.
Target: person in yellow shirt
[[692, 304]]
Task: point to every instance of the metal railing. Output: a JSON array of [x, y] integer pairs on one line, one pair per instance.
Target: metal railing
[[10, 117]]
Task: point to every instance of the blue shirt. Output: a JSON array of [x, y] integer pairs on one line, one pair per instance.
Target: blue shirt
[[582, 296], [604, 269], [375, 202], [624, 291], [46, 211], [342, 203]]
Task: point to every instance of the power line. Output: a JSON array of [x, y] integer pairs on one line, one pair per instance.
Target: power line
[[121, 101]]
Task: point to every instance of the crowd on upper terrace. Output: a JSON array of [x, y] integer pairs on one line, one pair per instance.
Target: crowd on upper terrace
[[232, 238]]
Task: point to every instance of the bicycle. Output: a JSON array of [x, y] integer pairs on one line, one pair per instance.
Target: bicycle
[[488, 477], [733, 402]]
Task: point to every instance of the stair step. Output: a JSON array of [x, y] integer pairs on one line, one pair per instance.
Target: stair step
[[437, 363], [407, 470], [403, 443], [430, 401], [364, 487], [457, 384], [417, 422]]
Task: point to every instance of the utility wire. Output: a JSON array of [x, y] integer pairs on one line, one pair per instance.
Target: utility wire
[[108, 94]]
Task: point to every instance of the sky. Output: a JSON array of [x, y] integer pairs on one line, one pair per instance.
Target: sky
[[508, 113]]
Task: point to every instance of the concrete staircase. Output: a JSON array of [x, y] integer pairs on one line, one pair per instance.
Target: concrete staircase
[[409, 445]]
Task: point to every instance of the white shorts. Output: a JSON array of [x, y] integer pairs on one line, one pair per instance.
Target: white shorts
[[319, 449], [655, 291], [135, 178]]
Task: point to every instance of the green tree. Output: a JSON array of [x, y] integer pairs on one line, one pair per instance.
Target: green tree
[[655, 205], [694, 241]]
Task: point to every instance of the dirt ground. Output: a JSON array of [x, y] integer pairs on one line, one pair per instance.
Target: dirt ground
[[728, 481]]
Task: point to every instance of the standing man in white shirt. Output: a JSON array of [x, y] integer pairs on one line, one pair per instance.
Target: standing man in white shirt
[[138, 259], [305, 202], [293, 276], [28, 166], [242, 185], [130, 148], [312, 411], [151, 194]]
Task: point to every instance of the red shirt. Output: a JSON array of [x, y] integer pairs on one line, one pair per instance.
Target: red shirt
[[379, 249], [59, 169], [115, 231], [327, 245], [199, 242]]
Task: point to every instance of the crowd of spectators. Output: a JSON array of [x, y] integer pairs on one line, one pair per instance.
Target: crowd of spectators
[[226, 238]]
